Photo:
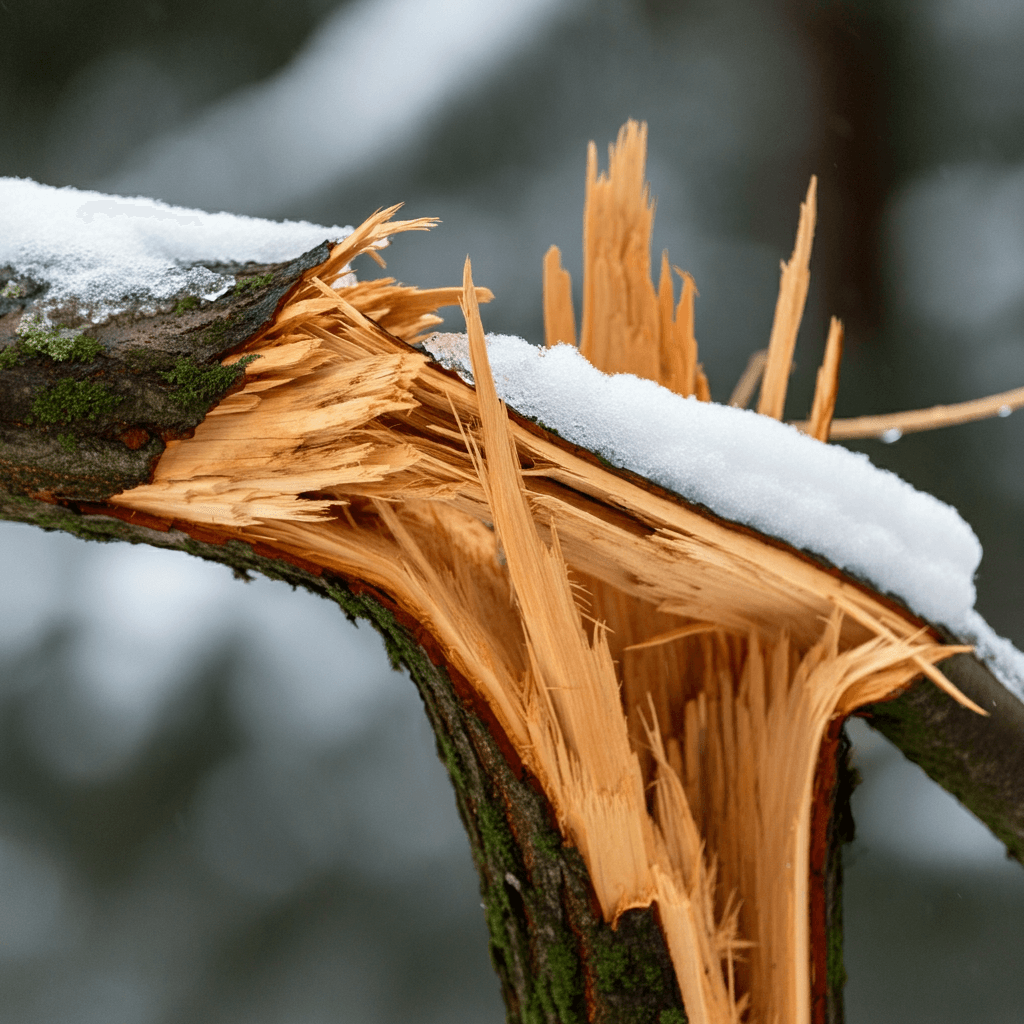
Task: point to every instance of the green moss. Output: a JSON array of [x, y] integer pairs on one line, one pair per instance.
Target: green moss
[[497, 911], [199, 386], [451, 761], [557, 991], [618, 969], [185, 304], [144, 360], [69, 401], [67, 442], [548, 844], [83, 350], [611, 965], [249, 284], [564, 980], [495, 835], [61, 344], [56, 517], [672, 1016], [9, 357], [214, 334], [835, 968]]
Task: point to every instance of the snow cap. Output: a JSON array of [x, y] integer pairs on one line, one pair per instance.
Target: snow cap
[[104, 253]]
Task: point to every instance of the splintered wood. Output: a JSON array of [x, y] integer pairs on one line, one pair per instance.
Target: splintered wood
[[789, 311], [627, 326], [666, 677], [827, 387]]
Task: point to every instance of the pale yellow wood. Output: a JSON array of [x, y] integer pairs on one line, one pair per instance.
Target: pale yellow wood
[[789, 311], [827, 385]]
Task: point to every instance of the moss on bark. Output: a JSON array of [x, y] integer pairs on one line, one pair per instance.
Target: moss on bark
[[84, 416], [979, 760]]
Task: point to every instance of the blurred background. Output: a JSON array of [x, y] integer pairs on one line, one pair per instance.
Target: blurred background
[[217, 802]]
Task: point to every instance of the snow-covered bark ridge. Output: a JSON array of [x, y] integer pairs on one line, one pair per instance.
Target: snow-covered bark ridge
[[99, 253]]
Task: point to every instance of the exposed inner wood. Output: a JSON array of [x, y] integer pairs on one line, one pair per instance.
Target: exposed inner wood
[[627, 326], [559, 316], [827, 386], [668, 678], [789, 311]]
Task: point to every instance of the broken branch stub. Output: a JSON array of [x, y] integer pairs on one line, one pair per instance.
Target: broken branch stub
[[667, 684]]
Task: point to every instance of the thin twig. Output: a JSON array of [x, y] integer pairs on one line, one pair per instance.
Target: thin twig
[[891, 426]]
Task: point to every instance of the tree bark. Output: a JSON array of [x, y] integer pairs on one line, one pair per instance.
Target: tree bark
[[147, 379], [65, 449], [979, 760]]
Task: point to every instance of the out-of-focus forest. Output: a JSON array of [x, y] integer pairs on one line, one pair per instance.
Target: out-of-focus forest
[[217, 802]]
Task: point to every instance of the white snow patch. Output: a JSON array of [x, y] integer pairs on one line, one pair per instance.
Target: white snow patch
[[757, 471], [104, 252]]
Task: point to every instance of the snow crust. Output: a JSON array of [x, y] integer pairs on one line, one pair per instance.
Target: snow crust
[[106, 252], [757, 471]]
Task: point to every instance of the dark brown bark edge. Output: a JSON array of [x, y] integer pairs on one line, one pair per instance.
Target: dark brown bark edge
[[831, 829], [556, 959]]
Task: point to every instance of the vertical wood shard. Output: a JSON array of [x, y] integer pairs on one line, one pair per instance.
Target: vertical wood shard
[[789, 310], [827, 387], [559, 318], [628, 327], [691, 379]]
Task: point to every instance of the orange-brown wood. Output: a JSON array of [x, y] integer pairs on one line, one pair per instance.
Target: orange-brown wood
[[559, 318], [789, 311], [827, 386]]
